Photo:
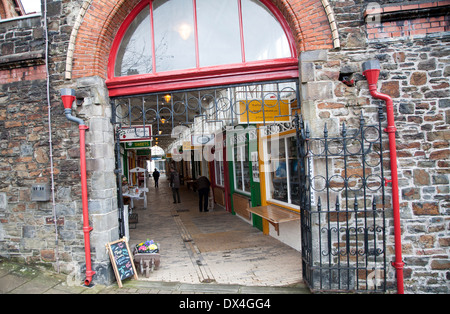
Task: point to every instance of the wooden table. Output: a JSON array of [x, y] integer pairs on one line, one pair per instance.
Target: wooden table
[[191, 184], [274, 215]]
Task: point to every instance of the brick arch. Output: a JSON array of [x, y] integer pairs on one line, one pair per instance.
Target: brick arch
[[101, 19], [311, 22], [95, 36]]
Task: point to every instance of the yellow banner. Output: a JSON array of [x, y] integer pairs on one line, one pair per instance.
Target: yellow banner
[[274, 111]]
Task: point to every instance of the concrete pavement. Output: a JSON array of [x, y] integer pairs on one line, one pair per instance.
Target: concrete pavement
[[201, 253], [16, 278]]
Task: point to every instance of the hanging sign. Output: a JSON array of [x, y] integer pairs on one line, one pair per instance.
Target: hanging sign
[[136, 134], [202, 139], [138, 145], [274, 111]]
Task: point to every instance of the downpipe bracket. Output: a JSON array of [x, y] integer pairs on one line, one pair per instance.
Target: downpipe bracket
[[398, 265], [390, 129]]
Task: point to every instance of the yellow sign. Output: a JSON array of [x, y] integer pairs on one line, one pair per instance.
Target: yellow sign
[[186, 145], [273, 111]]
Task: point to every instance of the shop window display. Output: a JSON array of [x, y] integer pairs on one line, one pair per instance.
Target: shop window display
[[283, 183], [241, 168], [220, 181]]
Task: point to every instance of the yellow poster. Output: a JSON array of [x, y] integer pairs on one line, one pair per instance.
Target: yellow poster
[[186, 145], [273, 111]]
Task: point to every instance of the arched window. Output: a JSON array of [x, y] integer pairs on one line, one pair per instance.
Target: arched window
[[166, 43]]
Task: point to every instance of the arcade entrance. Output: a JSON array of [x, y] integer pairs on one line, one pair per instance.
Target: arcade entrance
[[201, 242]]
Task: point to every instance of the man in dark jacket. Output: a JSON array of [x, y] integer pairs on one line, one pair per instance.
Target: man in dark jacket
[[174, 180], [156, 177], [203, 193]]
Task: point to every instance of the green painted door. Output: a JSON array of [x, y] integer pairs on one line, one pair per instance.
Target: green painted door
[[255, 183]]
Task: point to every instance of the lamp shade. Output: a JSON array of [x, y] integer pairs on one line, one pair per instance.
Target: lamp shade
[[68, 97]]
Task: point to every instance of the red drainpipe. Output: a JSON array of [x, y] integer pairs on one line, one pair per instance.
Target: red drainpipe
[[371, 70], [68, 97]]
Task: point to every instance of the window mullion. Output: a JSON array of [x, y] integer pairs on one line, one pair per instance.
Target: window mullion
[[153, 39], [197, 57], [288, 176], [241, 30]]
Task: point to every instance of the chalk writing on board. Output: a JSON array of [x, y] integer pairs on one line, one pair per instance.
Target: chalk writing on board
[[122, 260]]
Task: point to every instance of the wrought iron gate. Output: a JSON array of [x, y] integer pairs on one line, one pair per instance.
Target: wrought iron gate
[[343, 227], [217, 107]]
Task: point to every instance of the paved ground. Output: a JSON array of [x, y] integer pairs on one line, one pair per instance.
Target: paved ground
[[213, 252], [26, 279], [211, 247]]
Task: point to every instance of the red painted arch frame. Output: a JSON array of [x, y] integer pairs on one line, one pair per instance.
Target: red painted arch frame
[[245, 72]]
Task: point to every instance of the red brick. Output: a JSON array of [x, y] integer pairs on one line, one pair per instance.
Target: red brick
[[427, 5], [410, 7], [435, 29], [392, 8]]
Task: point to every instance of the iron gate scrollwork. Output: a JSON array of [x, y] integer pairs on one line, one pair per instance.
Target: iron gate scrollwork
[[202, 111], [342, 205]]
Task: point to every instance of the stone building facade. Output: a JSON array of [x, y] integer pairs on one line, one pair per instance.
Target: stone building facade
[[411, 39]]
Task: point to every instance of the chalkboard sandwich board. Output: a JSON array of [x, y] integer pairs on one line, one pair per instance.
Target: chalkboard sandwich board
[[121, 260]]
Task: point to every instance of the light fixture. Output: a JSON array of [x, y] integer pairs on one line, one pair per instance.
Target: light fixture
[[160, 132], [184, 30], [167, 98], [163, 120]]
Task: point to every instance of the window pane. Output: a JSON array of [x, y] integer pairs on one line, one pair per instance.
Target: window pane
[[174, 35], [219, 173], [246, 169], [278, 170], [264, 37], [238, 168], [293, 170], [135, 52], [218, 32]]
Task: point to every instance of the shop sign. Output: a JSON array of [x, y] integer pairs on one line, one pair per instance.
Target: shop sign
[[144, 152], [136, 134], [203, 139], [186, 145], [138, 145], [274, 111]]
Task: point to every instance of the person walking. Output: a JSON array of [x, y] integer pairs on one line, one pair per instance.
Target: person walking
[[174, 181], [203, 193], [156, 177]]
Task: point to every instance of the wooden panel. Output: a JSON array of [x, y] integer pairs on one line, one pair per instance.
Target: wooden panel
[[274, 214], [219, 196], [241, 205]]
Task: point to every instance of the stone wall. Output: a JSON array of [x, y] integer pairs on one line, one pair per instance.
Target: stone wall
[[415, 73], [28, 231], [92, 105]]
